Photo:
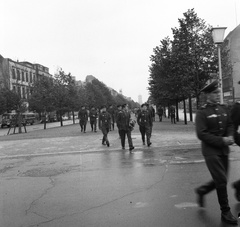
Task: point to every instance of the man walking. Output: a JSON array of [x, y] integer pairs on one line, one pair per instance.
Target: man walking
[[144, 121], [93, 119], [160, 112], [123, 121], [83, 118], [111, 111], [215, 130], [104, 124]]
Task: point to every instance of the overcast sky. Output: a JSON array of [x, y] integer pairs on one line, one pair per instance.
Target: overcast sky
[[109, 39]]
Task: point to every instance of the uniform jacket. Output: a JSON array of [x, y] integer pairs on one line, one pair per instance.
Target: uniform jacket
[[93, 115], [235, 116], [144, 118], [212, 123], [83, 115], [123, 120], [104, 120]]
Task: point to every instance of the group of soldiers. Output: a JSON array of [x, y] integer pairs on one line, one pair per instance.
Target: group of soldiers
[[106, 118]]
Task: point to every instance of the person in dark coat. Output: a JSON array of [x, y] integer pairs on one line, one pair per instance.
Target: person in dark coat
[[104, 124], [93, 114], [173, 115], [111, 111], [160, 112], [144, 121], [235, 115], [83, 118], [119, 109], [123, 122], [215, 130]]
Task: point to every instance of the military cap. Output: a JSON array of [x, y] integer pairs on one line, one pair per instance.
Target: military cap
[[118, 105], [210, 87], [124, 105], [144, 104]]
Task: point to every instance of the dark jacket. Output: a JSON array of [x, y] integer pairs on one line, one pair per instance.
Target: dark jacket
[[212, 123], [235, 116], [144, 118], [93, 114], [123, 120], [104, 120], [83, 115]]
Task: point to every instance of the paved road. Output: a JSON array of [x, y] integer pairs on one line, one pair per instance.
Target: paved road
[[61, 177]]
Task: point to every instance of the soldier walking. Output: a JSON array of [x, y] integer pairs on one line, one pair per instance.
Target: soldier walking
[[104, 124], [83, 118], [123, 122], [93, 119], [215, 130], [160, 112], [111, 111], [172, 115], [144, 121]]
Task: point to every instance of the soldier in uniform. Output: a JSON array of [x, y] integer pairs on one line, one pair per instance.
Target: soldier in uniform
[[235, 115], [144, 121], [215, 130], [123, 122], [104, 124], [111, 111], [172, 115], [119, 109], [160, 112], [93, 114], [83, 118]]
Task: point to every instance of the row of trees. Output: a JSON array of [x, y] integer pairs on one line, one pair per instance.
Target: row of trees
[[181, 67], [61, 94]]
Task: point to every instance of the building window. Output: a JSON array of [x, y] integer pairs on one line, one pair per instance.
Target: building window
[[26, 76], [30, 77], [23, 92], [19, 91], [23, 78], [13, 74], [18, 75]]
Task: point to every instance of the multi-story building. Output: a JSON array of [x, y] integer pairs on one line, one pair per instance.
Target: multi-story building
[[19, 76], [231, 86]]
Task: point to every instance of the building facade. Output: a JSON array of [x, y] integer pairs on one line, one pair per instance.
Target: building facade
[[20, 76], [231, 86]]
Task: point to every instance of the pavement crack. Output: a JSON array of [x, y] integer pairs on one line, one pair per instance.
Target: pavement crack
[[34, 202]]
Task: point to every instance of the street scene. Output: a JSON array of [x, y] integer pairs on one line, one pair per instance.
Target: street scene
[[62, 177]]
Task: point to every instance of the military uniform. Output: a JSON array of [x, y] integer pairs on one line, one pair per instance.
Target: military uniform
[[111, 111], [93, 119], [104, 125], [83, 118], [123, 120], [214, 127], [235, 115], [144, 121]]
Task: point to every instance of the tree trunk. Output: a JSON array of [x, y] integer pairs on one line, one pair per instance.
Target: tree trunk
[[190, 108], [185, 112], [177, 114]]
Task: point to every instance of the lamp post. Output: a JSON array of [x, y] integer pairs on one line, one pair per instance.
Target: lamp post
[[218, 35]]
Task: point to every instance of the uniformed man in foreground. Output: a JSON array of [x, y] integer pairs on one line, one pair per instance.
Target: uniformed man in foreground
[[104, 124], [215, 129], [83, 118]]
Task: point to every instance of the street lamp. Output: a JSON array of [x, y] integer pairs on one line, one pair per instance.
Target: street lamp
[[218, 35]]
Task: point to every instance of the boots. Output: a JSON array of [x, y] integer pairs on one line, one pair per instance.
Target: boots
[[223, 202], [202, 191]]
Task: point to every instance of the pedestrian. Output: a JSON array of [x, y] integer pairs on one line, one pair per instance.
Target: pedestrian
[[149, 109], [173, 115], [119, 109], [144, 121], [160, 112], [111, 111], [215, 130], [93, 114], [123, 122], [83, 118], [235, 115], [104, 124]]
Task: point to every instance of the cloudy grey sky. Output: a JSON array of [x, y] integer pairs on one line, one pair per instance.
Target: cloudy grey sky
[[109, 39]]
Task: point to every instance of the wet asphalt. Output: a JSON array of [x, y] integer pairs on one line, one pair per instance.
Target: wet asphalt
[[62, 177]]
